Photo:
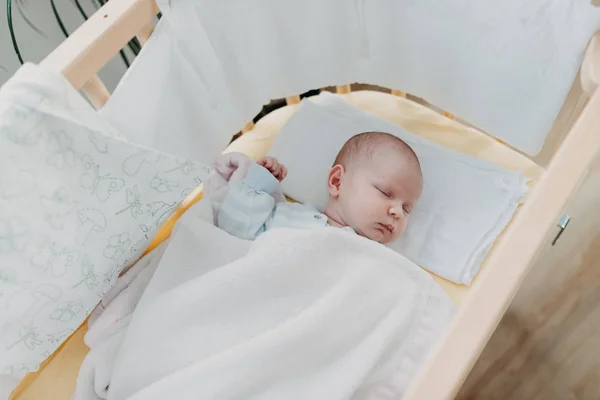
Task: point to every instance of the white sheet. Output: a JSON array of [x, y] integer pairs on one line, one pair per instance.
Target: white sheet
[[295, 315], [504, 66]]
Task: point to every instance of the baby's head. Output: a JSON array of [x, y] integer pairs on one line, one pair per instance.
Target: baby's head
[[373, 186]]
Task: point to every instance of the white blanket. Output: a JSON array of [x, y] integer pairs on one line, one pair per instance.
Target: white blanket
[[296, 314]]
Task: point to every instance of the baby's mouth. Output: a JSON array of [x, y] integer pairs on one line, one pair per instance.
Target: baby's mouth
[[388, 227]]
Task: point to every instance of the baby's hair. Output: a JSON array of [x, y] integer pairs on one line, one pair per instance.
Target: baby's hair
[[363, 145]]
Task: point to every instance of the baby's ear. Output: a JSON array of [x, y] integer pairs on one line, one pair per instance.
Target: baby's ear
[[334, 180]]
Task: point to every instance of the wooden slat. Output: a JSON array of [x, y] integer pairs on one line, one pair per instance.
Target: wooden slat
[[290, 100], [455, 354], [248, 127], [145, 33], [584, 85], [343, 89], [574, 103], [449, 115], [107, 31], [96, 92], [590, 68]]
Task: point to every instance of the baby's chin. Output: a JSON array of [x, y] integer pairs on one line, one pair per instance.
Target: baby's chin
[[378, 236], [386, 239]]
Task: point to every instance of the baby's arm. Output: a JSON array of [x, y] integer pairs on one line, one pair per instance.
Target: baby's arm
[[250, 202]]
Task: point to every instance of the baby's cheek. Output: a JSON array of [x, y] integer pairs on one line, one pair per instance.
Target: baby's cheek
[[403, 225]]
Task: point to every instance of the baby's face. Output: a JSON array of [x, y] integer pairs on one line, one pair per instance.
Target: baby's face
[[375, 197]]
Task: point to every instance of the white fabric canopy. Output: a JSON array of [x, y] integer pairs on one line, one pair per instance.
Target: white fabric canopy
[[505, 67]]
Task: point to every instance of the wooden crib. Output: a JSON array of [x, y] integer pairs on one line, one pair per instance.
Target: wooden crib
[[556, 172]]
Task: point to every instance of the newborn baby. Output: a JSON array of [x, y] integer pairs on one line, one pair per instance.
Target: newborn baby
[[373, 185]]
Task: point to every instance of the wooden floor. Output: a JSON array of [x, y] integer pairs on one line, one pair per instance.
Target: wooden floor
[[547, 347]]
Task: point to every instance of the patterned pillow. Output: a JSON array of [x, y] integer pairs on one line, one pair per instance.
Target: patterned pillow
[[77, 205]]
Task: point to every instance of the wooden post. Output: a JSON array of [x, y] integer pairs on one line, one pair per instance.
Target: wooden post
[[96, 41], [453, 357], [96, 92]]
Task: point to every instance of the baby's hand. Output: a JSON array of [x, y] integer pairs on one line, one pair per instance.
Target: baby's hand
[[278, 170]]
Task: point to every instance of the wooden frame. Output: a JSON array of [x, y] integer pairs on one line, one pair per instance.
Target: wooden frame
[[99, 39]]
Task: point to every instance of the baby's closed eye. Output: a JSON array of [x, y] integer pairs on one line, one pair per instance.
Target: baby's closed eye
[[383, 191]]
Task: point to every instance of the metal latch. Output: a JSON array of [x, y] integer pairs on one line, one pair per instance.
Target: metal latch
[[562, 225]]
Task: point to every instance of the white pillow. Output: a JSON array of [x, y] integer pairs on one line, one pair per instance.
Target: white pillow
[[77, 204], [466, 201]]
